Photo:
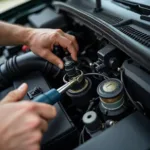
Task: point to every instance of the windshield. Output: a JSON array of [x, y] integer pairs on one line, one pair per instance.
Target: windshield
[[6, 5]]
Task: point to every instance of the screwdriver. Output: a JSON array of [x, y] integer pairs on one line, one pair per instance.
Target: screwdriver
[[54, 95]]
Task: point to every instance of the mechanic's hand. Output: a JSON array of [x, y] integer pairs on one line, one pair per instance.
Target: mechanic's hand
[[41, 42], [22, 123]]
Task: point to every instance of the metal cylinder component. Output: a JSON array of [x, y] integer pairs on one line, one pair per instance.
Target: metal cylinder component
[[109, 123], [111, 94], [70, 69], [80, 93], [91, 121], [81, 97]]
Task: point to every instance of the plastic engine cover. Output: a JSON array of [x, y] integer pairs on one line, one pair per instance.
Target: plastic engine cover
[[132, 133]]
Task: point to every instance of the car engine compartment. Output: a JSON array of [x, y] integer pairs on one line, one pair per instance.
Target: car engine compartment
[[110, 107]]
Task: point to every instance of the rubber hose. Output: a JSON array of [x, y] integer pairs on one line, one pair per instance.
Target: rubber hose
[[23, 64]]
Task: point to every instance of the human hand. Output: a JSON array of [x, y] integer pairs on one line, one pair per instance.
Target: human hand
[[23, 123], [41, 42]]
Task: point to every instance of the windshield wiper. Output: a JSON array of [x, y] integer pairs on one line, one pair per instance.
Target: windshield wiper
[[136, 7]]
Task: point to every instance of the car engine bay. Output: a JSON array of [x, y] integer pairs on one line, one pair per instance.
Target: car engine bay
[[109, 108]]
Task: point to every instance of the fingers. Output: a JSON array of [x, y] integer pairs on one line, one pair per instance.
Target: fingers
[[66, 43], [16, 95], [34, 138], [37, 115], [49, 56], [44, 125], [38, 123], [72, 38], [35, 147], [48, 38], [47, 112]]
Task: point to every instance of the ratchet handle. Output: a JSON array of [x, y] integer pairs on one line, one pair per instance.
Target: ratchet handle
[[51, 97]]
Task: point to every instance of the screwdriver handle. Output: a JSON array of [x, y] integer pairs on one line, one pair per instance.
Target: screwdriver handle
[[50, 97]]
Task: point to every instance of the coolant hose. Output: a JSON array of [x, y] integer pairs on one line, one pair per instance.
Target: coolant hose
[[23, 64]]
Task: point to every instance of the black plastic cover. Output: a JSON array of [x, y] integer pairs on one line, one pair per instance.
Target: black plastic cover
[[47, 18], [132, 133], [137, 82]]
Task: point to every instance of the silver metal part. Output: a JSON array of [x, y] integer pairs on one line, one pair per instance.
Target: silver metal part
[[111, 94], [69, 84], [81, 75], [80, 90]]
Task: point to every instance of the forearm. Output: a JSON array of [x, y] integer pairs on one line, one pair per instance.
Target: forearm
[[13, 34]]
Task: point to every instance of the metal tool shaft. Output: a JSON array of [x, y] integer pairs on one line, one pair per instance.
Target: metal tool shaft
[[65, 87], [53, 96]]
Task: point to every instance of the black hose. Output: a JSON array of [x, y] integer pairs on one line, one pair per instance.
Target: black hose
[[23, 64]]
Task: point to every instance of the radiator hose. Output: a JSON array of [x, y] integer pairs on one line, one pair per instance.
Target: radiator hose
[[23, 64]]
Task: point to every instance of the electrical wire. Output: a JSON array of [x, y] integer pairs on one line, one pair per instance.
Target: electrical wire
[[83, 134], [140, 104], [81, 137], [90, 106], [129, 96], [97, 74], [87, 47]]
